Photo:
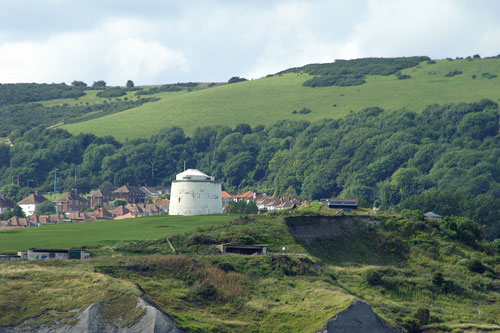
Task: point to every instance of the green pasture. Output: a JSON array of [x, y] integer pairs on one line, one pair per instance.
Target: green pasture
[[93, 234], [267, 100]]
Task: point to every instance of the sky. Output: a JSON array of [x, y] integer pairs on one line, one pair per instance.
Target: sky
[[163, 41]]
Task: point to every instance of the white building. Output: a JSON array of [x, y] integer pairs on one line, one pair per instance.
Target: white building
[[195, 193], [30, 203]]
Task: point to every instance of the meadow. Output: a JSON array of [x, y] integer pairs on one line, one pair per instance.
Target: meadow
[[267, 100], [101, 233]]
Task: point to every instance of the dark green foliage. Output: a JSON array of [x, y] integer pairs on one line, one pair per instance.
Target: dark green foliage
[[111, 92], [79, 84], [423, 316], [236, 79], [129, 84], [411, 325], [453, 73], [438, 279], [45, 208], [205, 291], [496, 245], [476, 266], [168, 88], [24, 116], [352, 72], [374, 278], [305, 110], [241, 207], [488, 75], [32, 92], [462, 229], [99, 84], [18, 211]]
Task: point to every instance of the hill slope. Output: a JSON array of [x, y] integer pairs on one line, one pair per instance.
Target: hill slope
[[392, 261], [267, 100]]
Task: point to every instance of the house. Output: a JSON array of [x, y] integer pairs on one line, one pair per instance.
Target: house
[[342, 203], [155, 192], [130, 193], [71, 202], [247, 196], [120, 210], [29, 204], [101, 197], [243, 249], [163, 205], [226, 198], [78, 217], [50, 254], [5, 204], [433, 216], [15, 222], [126, 216], [100, 214]]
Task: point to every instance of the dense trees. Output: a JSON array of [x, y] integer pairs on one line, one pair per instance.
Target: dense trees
[[444, 159]]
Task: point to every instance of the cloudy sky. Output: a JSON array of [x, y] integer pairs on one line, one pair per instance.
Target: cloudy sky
[[163, 41]]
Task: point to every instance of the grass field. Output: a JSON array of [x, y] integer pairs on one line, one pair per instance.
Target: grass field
[[92, 234], [267, 100]]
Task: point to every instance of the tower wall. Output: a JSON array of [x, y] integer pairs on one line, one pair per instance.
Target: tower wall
[[195, 197]]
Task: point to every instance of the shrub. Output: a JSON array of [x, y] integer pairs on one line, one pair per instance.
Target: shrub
[[488, 76], [437, 279], [423, 316], [206, 291], [236, 79], [453, 73], [305, 110], [496, 245], [411, 325], [373, 278], [476, 266]]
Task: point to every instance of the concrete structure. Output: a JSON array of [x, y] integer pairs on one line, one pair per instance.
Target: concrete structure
[[343, 203], [49, 254], [195, 193], [243, 248]]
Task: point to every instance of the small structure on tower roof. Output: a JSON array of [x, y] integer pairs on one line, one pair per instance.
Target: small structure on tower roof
[[195, 193]]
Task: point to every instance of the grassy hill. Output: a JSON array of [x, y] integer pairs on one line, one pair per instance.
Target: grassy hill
[[101, 233], [401, 264], [267, 100]]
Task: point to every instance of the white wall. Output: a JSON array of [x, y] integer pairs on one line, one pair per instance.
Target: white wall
[[28, 209], [195, 198]]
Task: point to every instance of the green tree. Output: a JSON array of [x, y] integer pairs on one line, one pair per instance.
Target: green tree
[[18, 211], [129, 84], [45, 208]]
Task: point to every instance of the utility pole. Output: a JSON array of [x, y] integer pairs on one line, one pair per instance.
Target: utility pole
[[55, 180], [153, 171]]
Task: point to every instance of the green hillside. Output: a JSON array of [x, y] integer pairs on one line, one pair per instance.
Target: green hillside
[[267, 100], [414, 273]]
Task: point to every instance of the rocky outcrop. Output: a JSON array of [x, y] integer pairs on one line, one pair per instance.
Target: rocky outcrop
[[358, 318], [91, 321]]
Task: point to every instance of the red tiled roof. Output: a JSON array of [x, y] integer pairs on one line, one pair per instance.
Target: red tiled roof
[[34, 198], [248, 194], [226, 194], [120, 210]]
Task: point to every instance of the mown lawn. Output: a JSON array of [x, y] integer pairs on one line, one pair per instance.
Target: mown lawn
[[93, 234], [268, 100]]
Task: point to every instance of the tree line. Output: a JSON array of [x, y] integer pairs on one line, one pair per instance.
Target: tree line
[[445, 159]]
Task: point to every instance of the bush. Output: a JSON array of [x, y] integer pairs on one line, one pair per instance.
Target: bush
[[236, 79], [206, 291], [476, 266], [453, 73], [496, 245], [423, 316], [373, 278], [305, 110], [437, 279]]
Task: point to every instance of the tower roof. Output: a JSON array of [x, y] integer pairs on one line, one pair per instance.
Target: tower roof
[[192, 174]]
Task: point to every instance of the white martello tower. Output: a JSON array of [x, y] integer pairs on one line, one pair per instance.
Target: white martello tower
[[195, 193]]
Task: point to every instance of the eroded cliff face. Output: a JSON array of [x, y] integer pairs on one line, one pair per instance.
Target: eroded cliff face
[[310, 228], [91, 320], [358, 318]]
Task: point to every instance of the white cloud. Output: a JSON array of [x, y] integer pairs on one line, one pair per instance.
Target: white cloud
[[114, 51]]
